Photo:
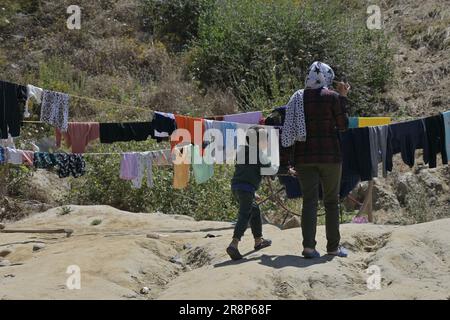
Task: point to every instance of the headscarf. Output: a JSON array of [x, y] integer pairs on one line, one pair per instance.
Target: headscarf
[[320, 76]]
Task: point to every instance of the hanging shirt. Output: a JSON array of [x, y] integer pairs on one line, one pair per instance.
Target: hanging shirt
[[202, 170], [248, 117], [406, 138], [373, 121], [78, 135], [446, 116], [378, 143], [12, 99], [129, 166], [435, 130], [181, 166], [163, 125], [55, 109], [124, 132]]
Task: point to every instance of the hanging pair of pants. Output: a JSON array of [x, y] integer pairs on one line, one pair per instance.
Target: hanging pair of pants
[[248, 212], [310, 177]]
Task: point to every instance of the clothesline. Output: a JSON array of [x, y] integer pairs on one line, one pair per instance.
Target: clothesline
[[124, 105]]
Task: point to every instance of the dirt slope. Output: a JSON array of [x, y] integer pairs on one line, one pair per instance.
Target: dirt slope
[[117, 259]]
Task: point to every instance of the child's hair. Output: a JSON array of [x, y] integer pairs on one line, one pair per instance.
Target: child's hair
[[254, 130]]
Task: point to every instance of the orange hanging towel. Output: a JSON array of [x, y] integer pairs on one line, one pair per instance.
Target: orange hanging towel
[[195, 127]]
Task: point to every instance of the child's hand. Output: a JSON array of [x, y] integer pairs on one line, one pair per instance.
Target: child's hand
[[257, 197]]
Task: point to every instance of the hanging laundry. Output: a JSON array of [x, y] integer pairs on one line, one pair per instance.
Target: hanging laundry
[[373, 121], [435, 129], [124, 132], [163, 124], [446, 116], [14, 156], [78, 135], [143, 162], [353, 122], [2, 155], [294, 127], [215, 118], [406, 138], [224, 128], [181, 167], [190, 124], [34, 93], [356, 154], [55, 109], [162, 157], [202, 170], [65, 164], [248, 117], [12, 99], [27, 157], [378, 143], [129, 166], [292, 186]]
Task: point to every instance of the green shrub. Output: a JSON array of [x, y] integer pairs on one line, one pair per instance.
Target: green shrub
[[174, 22], [262, 49]]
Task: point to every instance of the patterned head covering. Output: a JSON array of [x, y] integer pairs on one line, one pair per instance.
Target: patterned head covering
[[320, 76]]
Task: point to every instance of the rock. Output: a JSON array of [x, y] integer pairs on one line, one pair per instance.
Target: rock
[[153, 236], [145, 290], [5, 263], [2, 226], [187, 246], [38, 246], [291, 223], [5, 252], [209, 235], [10, 275], [177, 260]]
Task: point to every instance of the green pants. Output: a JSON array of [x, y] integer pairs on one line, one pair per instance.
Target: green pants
[[310, 177]]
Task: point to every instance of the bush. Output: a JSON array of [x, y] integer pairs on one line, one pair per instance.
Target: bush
[[174, 22], [262, 49]]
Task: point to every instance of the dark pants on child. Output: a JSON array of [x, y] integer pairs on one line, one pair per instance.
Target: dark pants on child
[[248, 212], [310, 177]]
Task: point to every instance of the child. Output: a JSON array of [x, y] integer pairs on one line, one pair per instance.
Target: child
[[246, 180]]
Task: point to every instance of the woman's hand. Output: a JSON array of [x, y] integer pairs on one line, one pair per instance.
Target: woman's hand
[[343, 88]]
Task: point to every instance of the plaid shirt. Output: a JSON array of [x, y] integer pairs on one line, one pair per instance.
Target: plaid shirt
[[325, 116]]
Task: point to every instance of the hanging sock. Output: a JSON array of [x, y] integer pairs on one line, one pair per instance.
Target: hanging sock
[[55, 109]]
